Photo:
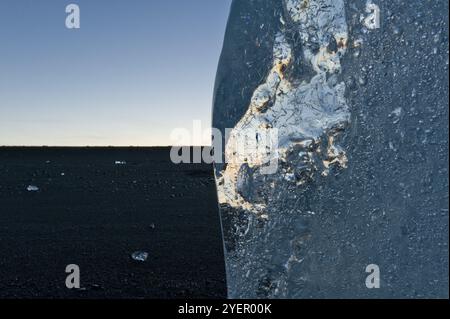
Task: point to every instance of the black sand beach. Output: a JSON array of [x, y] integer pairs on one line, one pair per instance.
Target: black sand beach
[[95, 213]]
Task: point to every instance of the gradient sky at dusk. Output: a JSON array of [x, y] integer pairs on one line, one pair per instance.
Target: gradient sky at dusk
[[134, 71]]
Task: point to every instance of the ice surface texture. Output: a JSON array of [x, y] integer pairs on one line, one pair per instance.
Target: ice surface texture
[[310, 229]]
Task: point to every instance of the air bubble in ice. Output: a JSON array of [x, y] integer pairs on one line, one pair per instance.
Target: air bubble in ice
[[397, 112], [362, 81]]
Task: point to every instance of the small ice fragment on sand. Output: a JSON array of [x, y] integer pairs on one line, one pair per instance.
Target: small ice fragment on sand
[[96, 287], [152, 226], [120, 162], [32, 188], [139, 256]]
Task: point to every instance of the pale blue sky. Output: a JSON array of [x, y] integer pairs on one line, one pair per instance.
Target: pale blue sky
[[134, 71]]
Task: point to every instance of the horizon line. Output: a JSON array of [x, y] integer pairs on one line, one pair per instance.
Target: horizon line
[[100, 146]]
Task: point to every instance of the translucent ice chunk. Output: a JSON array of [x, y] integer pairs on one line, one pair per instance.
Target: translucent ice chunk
[[139, 256]]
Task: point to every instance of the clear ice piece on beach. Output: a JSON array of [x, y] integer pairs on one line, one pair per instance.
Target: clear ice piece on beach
[[120, 162], [32, 188], [139, 256]]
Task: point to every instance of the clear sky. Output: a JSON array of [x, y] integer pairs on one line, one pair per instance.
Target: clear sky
[[135, 70]]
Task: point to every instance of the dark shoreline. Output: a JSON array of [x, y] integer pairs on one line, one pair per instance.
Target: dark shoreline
[[93, 213]]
